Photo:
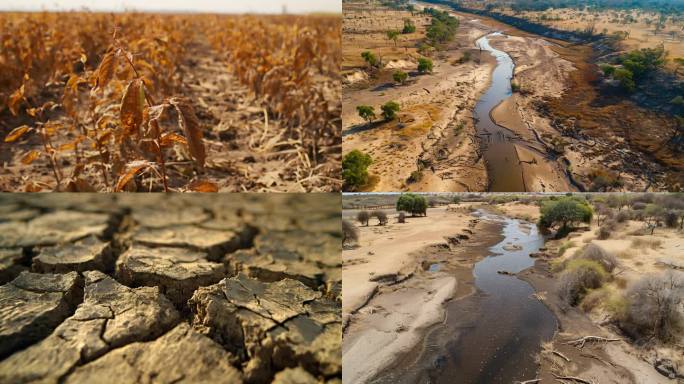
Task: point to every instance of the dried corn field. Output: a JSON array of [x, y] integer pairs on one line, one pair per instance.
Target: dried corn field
[[151, 102]]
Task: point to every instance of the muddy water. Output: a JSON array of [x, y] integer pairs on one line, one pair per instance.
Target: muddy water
[[505, 172], [493, 335]]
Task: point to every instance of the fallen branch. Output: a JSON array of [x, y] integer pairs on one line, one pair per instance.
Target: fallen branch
[[589, 355], [561, 355], [573, 379], [528, 381], [579, 343]]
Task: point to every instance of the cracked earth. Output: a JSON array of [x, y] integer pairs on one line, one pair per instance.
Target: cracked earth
[[170, 288]]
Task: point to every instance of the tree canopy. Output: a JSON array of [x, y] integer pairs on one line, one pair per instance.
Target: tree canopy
[[413, 204]]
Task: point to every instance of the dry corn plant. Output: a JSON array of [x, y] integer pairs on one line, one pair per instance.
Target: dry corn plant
[[93, 108]]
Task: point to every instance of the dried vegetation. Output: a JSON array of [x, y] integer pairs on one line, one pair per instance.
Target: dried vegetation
[[94, 102]]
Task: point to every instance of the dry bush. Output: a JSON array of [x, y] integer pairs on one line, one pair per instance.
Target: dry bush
[[622, 216], [596, 253], [363, 217], [381, 216], [579, 276], [350, 235], [655, 307], [402, 217]]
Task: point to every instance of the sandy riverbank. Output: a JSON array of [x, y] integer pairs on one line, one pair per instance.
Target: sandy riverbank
[[423, 262]]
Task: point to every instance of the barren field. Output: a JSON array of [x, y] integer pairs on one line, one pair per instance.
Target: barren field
[[145, 102], [482, 291], [165, 289]]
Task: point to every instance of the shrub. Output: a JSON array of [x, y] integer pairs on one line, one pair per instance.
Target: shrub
[[381, 216], [390, 109], [370, 59], [671, 219], [409, 27], [595, 253], [515, 87], [402, 217], [350, 235], [416, 176], [424, 65], [604, 232], [653, 307], [355, 169], [622, 216], [400, 77], [579, 276], [363, 217]]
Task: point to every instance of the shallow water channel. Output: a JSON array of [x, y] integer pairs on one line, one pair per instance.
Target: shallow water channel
[[505, 173], [493, 335]]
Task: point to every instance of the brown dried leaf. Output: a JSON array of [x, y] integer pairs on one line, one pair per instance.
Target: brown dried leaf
[[203, 186], [15, 100], [105, 71], [29, 157], [190, 124], [17, 133], [132, 106], [133, 169], [169, 139]]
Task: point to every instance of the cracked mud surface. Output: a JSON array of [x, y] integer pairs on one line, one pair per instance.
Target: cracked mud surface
[[170, 288]]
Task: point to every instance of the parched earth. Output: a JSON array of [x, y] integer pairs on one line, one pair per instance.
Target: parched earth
[[170, 288]]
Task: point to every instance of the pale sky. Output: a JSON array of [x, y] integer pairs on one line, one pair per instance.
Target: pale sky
[[206, 6]]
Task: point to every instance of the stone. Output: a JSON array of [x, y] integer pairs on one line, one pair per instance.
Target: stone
[[177, 272], [55, 228], [111, 316], [32, 305], [181, 355], [214, 242], [89, 254], [12, 262], [271, 326]]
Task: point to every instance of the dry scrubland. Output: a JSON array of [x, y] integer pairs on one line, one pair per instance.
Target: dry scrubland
[[615, 283], [141, 288], [142, 102]]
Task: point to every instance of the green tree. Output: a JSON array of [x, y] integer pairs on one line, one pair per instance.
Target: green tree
[[409, 27], [564, 213], [400, 77], [370, 59], [390, 109], [366, 112], [424, 65], [456, 199], [355, 169], [393, 35], [626, 79], [413, 204]]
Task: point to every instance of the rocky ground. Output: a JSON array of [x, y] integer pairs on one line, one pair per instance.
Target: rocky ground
[[133, 288]]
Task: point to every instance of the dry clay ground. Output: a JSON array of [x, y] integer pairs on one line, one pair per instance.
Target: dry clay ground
[[246, 150], [166, 289]]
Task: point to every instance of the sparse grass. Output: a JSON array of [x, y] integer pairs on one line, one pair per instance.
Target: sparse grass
[[564, 247], [643, 243]]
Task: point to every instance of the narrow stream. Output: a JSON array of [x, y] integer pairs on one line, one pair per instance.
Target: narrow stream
[[505, 173], [510, 324], [494, 335]]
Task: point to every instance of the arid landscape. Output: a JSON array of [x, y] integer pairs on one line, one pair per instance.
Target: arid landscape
[[170, 288], [513, 102], [169, 102], [501, 288]]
